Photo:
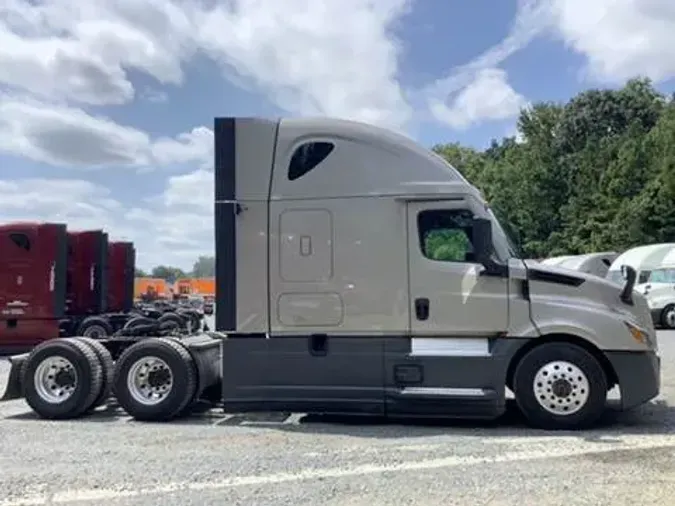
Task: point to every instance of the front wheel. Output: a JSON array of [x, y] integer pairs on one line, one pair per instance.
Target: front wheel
[[560, 386]]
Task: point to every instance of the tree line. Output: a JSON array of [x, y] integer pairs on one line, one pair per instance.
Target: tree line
[[594, 174], [204, 267]]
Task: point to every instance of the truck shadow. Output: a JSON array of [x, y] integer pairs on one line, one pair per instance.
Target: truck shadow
[[655, 418]]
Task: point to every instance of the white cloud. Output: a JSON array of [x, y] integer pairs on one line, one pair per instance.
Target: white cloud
[[464, 83], [186, 147], [488, 97], [70, 137], [314, 57], [174, 229], [66, 136], [295, 50], [81, 204], [620, 38], [181, 220], [81, 51], [58, 58], [194, 190]]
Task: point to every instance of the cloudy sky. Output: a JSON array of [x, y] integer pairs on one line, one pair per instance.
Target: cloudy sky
[[106, 106]]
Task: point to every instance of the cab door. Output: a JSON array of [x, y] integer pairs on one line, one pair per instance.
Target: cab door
[[449, 293]]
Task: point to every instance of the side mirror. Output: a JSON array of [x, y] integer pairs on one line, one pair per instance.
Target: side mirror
[[629, 275], [624, 271], [482, 239], [483, 247]]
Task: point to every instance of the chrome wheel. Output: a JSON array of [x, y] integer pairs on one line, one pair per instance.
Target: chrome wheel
[[149, 380], [55, 379], [561, 388]]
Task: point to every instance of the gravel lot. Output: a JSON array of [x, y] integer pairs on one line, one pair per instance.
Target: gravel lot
[[218, 460]]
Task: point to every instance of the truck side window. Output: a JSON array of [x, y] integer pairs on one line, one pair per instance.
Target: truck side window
[[445, 235], [20, 240], [308, 156]]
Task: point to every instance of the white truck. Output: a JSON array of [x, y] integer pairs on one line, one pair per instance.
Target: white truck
[[641, 258], [659, 290], [592, 263], [358, 273]]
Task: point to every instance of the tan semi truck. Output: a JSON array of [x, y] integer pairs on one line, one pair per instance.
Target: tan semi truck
[[358, 273]]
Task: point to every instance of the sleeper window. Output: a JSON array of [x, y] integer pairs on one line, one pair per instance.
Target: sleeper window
[[308, 156], [20, 240], [445, 235]]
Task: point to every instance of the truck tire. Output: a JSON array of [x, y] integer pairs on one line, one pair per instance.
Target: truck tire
[[193, 321], [61, 378], [175, 319], [106, 361], [155, 379], [560, 386], [137, 321], [667, 319], [95, 327]]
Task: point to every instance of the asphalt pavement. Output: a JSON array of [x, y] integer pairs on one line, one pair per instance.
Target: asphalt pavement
[[214, 459]]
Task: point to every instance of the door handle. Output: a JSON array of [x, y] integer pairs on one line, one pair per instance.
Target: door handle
[[422, 308]]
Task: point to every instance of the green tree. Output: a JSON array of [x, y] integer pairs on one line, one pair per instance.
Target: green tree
[[596, 173], [168, 273], [204, 267]]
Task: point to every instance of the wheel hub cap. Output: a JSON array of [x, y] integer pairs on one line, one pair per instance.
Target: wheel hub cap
[[149, 380], [561, 388], [55, 379]]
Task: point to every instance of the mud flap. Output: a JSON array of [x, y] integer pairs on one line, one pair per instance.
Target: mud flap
[[14, 388]]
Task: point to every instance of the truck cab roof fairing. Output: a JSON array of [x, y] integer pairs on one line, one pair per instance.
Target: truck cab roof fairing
[[366, 161]]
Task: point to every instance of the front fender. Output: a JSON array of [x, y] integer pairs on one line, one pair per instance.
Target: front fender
[[603, 327], [556, 327]]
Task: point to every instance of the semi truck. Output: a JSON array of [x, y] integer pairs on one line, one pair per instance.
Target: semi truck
[[359, 273], [659, 290], [592, 263], [57, 282], [641, 258]]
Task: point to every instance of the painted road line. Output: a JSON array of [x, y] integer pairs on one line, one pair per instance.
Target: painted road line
[[100, 495]]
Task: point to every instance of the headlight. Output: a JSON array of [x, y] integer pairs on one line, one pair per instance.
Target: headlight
[[641, 336]]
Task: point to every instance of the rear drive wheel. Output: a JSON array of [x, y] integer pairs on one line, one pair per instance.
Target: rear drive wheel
[[106, 361], [95, 327], [560, 386], [61, 378], [668, 317], [138, 321], [174, 319], [155, 379], [193, 321]]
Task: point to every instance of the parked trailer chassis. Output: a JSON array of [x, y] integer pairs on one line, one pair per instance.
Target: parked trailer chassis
[[152, 378]]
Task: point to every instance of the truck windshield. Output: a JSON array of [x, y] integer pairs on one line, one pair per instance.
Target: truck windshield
[[505, 247]]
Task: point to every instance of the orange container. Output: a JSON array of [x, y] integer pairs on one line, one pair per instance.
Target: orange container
[[156, 286]]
